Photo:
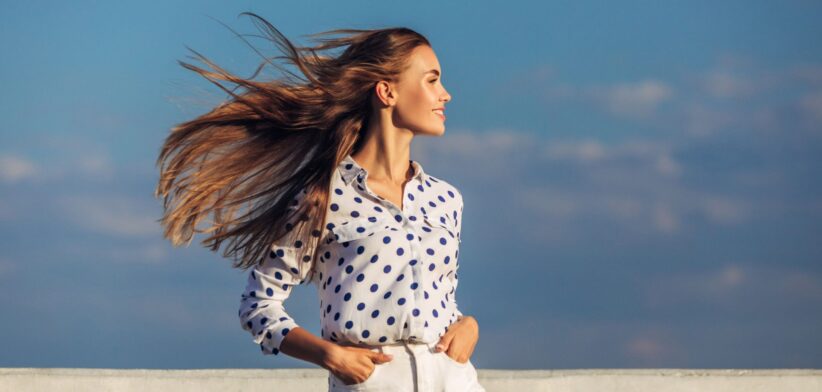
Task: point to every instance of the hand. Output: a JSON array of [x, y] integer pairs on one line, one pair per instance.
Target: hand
[[353, 365], [459, 340]]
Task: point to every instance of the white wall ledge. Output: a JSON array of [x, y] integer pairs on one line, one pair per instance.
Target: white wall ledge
[[206, 380]]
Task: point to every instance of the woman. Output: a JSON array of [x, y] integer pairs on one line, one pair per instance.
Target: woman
[[340, 204]]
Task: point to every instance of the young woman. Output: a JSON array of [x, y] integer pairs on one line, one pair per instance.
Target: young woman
[[339, 204]]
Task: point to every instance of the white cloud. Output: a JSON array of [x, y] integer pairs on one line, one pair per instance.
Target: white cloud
[[638, 99], [807, 73], [665, 164], [490, 154], [634, 183], [14, 168], [587, 151], [650, 346], [665, 218], [471, 144], [98, 164], [799, 285], [65, 158], [582, 151], [140, 251], [111, 215], [549, 203], [712, 286], [732, 284], [704, 120], [722, 83], [724, 210], [812, 105], [634, 99]]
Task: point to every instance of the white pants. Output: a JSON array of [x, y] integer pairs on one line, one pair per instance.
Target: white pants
[[416, 367]]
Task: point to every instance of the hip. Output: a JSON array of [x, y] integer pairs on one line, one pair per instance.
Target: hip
[[415, 367]]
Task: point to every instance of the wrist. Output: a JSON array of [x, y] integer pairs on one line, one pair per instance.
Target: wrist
[[329, 353]]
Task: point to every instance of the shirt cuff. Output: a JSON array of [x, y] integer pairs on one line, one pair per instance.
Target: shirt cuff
[[272, 338]]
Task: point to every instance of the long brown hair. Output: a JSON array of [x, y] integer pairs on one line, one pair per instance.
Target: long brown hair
[[271, 150]]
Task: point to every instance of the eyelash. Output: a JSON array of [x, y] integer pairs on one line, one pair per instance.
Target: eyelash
[[432, 81]]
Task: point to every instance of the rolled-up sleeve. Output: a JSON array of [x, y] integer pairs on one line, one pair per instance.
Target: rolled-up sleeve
[[262, 312], [452, 297]]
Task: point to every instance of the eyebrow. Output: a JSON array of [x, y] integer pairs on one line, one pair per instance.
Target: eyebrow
[[433, 71]]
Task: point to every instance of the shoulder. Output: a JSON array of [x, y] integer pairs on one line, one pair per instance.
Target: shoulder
[[446, 190]]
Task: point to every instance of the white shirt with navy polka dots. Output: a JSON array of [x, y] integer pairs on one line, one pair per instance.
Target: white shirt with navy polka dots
[[384, 273]]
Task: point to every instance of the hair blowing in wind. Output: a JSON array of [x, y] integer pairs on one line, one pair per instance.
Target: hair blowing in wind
[[261, 163]]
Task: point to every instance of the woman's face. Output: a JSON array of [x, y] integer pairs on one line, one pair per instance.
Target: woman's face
[[420, 93]]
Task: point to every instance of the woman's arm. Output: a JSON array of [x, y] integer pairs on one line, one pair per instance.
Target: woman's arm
[[300, 343], [262, 311]]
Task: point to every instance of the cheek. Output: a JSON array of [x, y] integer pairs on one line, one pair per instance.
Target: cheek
[[418, 101], [415, 107]]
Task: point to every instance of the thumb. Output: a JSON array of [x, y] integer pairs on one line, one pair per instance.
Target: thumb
[[445, 342], [380, 357]]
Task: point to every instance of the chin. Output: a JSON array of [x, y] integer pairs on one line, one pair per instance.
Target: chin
[[437, 132], [431, 132]]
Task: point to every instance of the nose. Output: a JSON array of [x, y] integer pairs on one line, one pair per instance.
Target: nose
[[447, 97]]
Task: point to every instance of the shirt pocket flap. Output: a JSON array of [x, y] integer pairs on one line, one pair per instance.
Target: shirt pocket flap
[[443, 221], [355, 229]]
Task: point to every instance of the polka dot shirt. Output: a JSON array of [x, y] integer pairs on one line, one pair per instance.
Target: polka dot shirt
[[384, 273]]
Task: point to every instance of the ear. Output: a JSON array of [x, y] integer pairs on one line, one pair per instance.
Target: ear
[[385, 92]]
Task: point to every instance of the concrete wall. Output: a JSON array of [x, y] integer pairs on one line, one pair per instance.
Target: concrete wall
[[206, 380]]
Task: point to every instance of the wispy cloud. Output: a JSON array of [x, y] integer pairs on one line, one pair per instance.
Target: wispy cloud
[[734, 93], [15, 168], [724, 84], [139, 251], [111, 214], [637, 183], [705, 120], [569, 341], [806, 73], [722, 287], [812, 105], [59, 157], [652, 345], [635, 99], [647, 153]]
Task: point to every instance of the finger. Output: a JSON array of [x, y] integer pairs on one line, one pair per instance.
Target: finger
[[445, 342], [378, 357]]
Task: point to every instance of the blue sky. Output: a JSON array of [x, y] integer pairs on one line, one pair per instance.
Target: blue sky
[[640, 180]]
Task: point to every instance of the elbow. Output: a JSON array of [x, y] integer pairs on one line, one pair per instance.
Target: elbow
[[267, 322]]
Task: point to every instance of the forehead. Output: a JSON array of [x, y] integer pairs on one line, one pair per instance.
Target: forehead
[[422, 60]]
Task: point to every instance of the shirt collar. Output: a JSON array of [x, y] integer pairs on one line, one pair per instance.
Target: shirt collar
[[350, 169]]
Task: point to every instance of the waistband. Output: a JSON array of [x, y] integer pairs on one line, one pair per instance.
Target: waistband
[[416, 346]]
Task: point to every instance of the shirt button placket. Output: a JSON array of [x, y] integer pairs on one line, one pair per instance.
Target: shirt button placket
[[417, 325], [417, 322]]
